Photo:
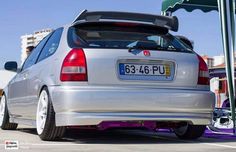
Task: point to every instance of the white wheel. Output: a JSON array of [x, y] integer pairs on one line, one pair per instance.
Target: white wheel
[[42, 112], [45, 118], [2, 109], [4, 116]]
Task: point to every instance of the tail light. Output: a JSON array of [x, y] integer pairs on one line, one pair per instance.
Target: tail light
[[203, 73], [74, 67]]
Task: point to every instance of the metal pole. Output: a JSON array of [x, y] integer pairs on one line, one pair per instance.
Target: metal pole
[[226, 27], [232, 17]]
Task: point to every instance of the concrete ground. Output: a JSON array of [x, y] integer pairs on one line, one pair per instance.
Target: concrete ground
[[116, 140]]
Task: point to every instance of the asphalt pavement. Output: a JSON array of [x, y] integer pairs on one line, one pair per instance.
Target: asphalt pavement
[[115, 141]]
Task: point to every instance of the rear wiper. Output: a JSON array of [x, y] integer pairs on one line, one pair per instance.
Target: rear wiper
[[131, 49]]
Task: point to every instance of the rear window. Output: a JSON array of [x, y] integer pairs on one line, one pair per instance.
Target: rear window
[[123, 36]]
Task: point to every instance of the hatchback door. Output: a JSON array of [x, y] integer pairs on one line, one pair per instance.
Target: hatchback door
[[160, 69], [135, 54]]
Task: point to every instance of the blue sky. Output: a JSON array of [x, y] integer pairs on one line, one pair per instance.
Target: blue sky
[[19, 17]]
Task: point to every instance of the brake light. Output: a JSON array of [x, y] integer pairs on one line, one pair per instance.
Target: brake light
[[74, 67], [125, 24], [203, 73]]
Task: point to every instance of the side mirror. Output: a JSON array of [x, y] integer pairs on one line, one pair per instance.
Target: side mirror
[[11, 66]]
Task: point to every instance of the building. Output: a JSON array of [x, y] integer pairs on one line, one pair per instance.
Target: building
[[32, 40], [219, 60], [209, 61]]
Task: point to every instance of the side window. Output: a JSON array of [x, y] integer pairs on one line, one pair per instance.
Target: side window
[[52, 45], [31, 60]]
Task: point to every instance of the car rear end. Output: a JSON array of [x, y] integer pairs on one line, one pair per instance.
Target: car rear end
[[128, 71]]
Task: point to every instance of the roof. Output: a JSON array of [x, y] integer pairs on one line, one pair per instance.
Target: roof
[[207, 57], [222, 66]]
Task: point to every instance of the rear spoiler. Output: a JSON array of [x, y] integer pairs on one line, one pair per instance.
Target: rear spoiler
[[168, 22]]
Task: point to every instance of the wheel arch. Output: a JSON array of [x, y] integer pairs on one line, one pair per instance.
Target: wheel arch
[[49, 93], [4, 92], [41, 89]]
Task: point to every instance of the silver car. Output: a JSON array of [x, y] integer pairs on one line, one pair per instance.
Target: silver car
[[110, 69]]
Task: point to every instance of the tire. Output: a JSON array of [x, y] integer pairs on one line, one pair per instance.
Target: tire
[[4, 116], [45, 119], [190, 131]]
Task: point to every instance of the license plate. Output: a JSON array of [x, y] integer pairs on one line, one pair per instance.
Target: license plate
[[144, 69]]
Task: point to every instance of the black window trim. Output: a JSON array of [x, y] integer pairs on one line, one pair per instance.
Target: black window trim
[[50, 34], [85, 45], [61, 28]]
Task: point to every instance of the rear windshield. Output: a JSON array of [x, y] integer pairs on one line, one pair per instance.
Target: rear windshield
[[123, 36]]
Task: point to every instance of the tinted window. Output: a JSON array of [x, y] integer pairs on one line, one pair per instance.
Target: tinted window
[[110, 35], [31, 60], [51, 45]]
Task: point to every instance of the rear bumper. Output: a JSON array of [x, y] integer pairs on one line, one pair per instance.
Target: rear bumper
[[92, 105]]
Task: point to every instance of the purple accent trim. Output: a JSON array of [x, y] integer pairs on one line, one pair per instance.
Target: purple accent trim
[[220, 135], [151, 125], [164, 130], [221, 130], [224, 105]]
